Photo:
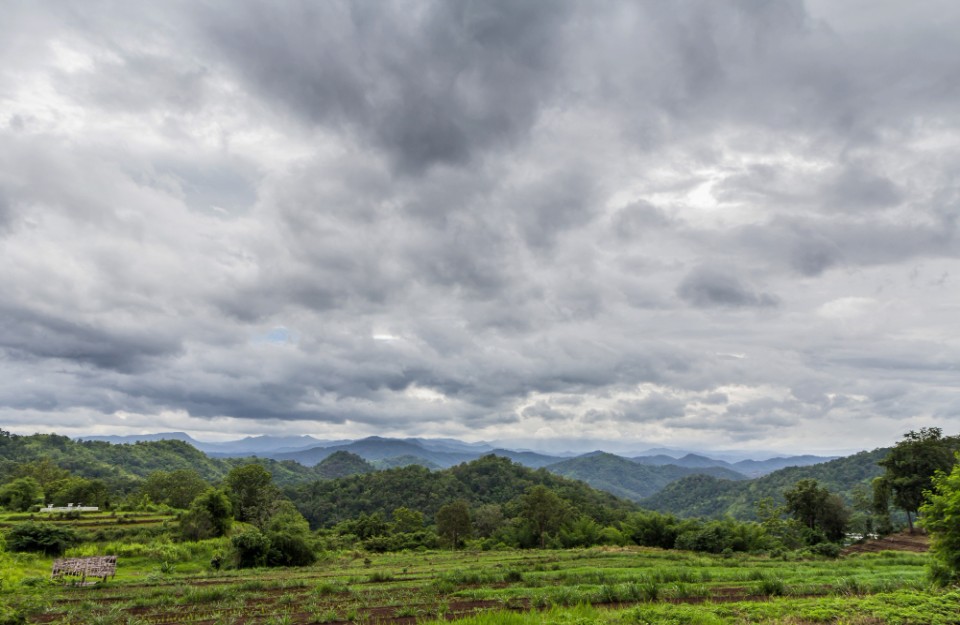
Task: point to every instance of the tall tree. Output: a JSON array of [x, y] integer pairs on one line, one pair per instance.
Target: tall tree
[[544, 510], [453, 522], [252, 493], [817, 508], [909, 469]]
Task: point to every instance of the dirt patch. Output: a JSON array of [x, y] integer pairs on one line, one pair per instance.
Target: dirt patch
[[917, 542]]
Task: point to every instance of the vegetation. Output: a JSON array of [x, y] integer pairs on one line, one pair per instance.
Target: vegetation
[[157, 584], [909, 469], [818, 509], [941, 513], [453, 522], [628, 479], [705, 496], [364, 548], [45, 538]]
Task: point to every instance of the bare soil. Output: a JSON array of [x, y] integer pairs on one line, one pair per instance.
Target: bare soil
[[918, 542]]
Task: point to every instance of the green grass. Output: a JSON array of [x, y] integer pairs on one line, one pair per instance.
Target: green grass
[[573, 587]]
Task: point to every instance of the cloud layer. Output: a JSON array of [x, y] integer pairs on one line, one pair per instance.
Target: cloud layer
[[726, 224]]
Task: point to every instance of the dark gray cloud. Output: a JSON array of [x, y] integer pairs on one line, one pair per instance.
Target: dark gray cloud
[[724, 223], [707, 287], [430, 83]]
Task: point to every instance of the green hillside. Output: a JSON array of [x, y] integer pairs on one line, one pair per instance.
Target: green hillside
[[122, 467], [488, 480], [342, 464], [629, 479], [702, 495]]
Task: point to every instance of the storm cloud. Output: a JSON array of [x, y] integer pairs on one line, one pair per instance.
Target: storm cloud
[[701, 224]]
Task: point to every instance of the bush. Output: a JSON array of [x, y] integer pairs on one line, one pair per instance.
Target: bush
[[250, 548], [829, 550], [288, 549], [46, 538]]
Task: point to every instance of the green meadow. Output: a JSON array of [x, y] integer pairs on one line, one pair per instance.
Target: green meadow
[[159, 581]]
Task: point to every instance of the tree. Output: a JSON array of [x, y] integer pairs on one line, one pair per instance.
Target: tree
[[487, 519], [651, 529], [79, 490], [20, 494], [175, 488], [909, 469], [817, 508], [941, 512], [44, 471], [289, 536], [407, 521], [453, 522], [210, 516], [252, 493], [544, 510]]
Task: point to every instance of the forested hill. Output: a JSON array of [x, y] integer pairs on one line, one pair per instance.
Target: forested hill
[[122, 467], [489, 480], [629, 479], [703, 495]]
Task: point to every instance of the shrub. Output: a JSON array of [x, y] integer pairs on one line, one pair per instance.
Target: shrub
[[288, 549], [45, 538], [250, 548]]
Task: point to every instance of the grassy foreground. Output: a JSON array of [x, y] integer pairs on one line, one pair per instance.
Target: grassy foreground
[[164, 582]]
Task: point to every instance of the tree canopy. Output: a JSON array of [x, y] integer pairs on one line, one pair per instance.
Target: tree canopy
[[909, 469]]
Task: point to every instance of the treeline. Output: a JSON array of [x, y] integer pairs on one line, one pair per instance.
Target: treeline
[[490, 503]]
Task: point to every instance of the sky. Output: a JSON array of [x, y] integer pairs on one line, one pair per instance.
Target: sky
[[700, 224]]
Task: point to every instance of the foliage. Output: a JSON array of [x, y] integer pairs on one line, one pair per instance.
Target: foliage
[[341, 464], [250, 547], [628, 479], [20, 494], [817, 508], [490, 480], [941, 517], [544, 511], [721, 536], [51, 458], [210, 516], [652, 529], [406, 521], [177, 489], [283, 541], [910, 467], [46, 538], [289, 536], [453, 522], [252, 493], [79, 491], [487, 519], [705, 496]]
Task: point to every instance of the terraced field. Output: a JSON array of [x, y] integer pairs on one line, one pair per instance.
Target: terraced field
[[628, 585]]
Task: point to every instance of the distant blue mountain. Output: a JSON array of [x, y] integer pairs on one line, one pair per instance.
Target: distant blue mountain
[[443, 452]]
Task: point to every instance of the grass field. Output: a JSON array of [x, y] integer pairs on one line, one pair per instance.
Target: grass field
[[162, 582]]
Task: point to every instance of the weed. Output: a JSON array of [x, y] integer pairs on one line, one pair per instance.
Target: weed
[[325, 616], [772, 587]]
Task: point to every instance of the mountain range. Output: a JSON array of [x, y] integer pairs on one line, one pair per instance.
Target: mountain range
[[633, 478]]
